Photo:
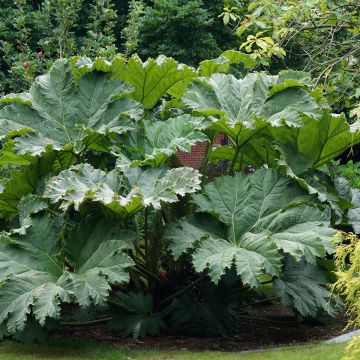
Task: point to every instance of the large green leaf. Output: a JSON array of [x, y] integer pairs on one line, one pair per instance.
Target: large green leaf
[[319, 140], [37, 250], [7, 155], [313, 144], [247, 104], [160, 185], [75, 185], [31, 274], [155, 141], [185, 232], [32, 292], [292, 164], [225, 62], [354, 213], [155, 78], [35, 280], [23, 181], [151, 79], [303, 287], [252, 257], [265, 215], [60, 111], [123, 193], [255, 198], [28, 206], [294, 149], [252, 110], [136, 316], [95, 249], [209, 312]]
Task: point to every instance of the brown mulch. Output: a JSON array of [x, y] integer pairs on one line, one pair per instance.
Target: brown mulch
[[270, 325]]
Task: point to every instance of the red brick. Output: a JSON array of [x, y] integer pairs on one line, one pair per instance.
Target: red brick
[[197, 153]]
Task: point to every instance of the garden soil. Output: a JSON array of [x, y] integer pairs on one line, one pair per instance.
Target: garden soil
[[267, 326]]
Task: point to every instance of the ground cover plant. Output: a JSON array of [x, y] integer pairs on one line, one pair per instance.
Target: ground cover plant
[[101, 224]]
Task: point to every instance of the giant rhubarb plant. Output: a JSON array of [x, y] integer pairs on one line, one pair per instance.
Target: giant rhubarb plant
[[99, 217]]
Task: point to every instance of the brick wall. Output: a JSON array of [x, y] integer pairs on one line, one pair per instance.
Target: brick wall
[[197, 153]]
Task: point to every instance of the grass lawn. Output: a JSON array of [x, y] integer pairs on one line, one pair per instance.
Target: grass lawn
[[76, 350]]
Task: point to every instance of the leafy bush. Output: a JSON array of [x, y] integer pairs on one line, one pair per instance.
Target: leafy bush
[[35, 33], [347, 260], [351, 171], [47, 30], [96, 214], [185, 30], [321, 37]]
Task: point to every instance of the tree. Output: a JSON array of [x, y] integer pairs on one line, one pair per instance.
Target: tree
[[180, 29], [321, 37]]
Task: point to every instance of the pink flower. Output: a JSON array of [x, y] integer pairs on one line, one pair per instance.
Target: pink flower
[[40, 54], [26, 64]]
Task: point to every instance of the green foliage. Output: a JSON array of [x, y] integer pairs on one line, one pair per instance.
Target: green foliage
[[347, 261], [265, 216], [131, 31], [230, 61], [55, 104], [35, 281], [353, 213], [351, 171], [125, 195], [169, 26], [23, 181], [227, 98], [101, 40], [320, 36], [57, 130], [134, 315], [151, 80], [208, 311], [280, 113], [348, 199], [302, 287], [46, 30], [99, 218]]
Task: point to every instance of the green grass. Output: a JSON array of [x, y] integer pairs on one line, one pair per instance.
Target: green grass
[[77, 350]]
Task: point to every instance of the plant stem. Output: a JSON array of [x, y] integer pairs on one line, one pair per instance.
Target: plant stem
[[115, 303], [86, 323], [139, 251], [135, 277], [333, 218], [138, 237], [146, 234], [142, 269], [205, 160], [257, 302], [181, 291], [234, 159]]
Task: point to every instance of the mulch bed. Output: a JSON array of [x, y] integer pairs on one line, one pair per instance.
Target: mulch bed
[[269, 325]]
